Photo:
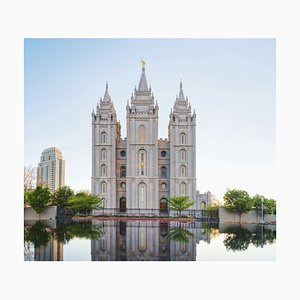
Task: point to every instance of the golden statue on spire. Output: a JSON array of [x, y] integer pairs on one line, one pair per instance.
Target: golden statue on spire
[[143, 63]]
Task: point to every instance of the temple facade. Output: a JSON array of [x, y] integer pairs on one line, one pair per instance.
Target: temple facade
[[140, 171]]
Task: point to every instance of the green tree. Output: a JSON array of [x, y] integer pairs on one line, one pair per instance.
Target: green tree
[[39, 198], [238, 200], [84, 202], [179, 203], [26, 198], [61, 196], [269, 205]]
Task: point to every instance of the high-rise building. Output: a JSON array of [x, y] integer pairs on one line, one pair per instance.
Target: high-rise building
[[141, 171], [51, 169]]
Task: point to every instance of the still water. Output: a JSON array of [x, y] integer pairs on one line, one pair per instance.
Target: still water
[[147, 241]]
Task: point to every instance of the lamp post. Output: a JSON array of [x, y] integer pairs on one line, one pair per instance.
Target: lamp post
[[262, 209]]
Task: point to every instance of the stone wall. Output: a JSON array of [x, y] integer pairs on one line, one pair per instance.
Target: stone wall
[[49, 213], [228, 216]]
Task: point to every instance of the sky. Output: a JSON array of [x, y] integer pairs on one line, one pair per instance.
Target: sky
[[229, 82]]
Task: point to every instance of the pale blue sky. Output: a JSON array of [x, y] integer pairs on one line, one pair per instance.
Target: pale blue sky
[[229, 82]]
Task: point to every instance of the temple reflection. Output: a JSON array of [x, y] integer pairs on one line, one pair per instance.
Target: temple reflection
[[147, 241]]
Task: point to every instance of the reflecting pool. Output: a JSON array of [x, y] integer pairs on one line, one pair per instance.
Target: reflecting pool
[[147, 240]]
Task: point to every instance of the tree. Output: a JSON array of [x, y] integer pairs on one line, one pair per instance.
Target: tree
[[269, 205], [61, 196], [26, 198], [84, 202], [179, 203], [29, 178], [39, 198], [238, 200]]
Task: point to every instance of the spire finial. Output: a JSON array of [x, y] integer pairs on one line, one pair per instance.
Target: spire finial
[[106, 86], [180, 83], [143, 64]]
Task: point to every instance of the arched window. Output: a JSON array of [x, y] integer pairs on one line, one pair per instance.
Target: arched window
[[123, 204], [142, 163], [142, 195], [182, 188], [142, 134], [123, 172], [103, 154], [182, 138], [163, 172], [182, 155], [182, 171], [103, 170], [103, 187], [203, 205], [103, 138], [163, 205]]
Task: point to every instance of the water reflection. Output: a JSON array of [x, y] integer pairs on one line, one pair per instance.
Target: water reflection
[[240, 237], [139, 240]]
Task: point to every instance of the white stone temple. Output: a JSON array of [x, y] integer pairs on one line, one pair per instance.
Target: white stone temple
[[140, 171]]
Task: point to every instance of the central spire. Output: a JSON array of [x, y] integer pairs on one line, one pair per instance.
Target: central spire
[[106, 97], [143, 86], [181, 95]]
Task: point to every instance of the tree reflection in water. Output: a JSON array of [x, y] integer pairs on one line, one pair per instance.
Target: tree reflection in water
[[240, 238], [40, 235], [37, 234], [179, 234]]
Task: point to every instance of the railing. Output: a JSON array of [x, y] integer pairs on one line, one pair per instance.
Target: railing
[[205, 215]]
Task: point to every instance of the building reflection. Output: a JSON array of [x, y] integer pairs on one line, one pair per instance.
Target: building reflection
[[53, 251], [147, 241], [41, 244]]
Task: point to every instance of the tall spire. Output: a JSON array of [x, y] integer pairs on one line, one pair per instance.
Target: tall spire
[[143, 86], [106, 97], [181, 95]]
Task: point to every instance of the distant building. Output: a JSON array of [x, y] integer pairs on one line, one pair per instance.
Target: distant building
[[51, 169], [141, 171]]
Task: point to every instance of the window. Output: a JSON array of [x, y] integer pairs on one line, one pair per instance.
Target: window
[[163, 186], [142, 163], [163, 205], [103, 187], [142, 134], [182, 155], [203, 205], [103, 154], [182, 171], [182, 188], [163, 172], [123, 204], [163, 153], [182, 138], [123, 153], [123, 185], [103, 138], [103, 170], [123, 172]]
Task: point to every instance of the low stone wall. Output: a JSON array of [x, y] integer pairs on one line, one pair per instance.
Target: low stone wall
[[228, 216], [49, 213]]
